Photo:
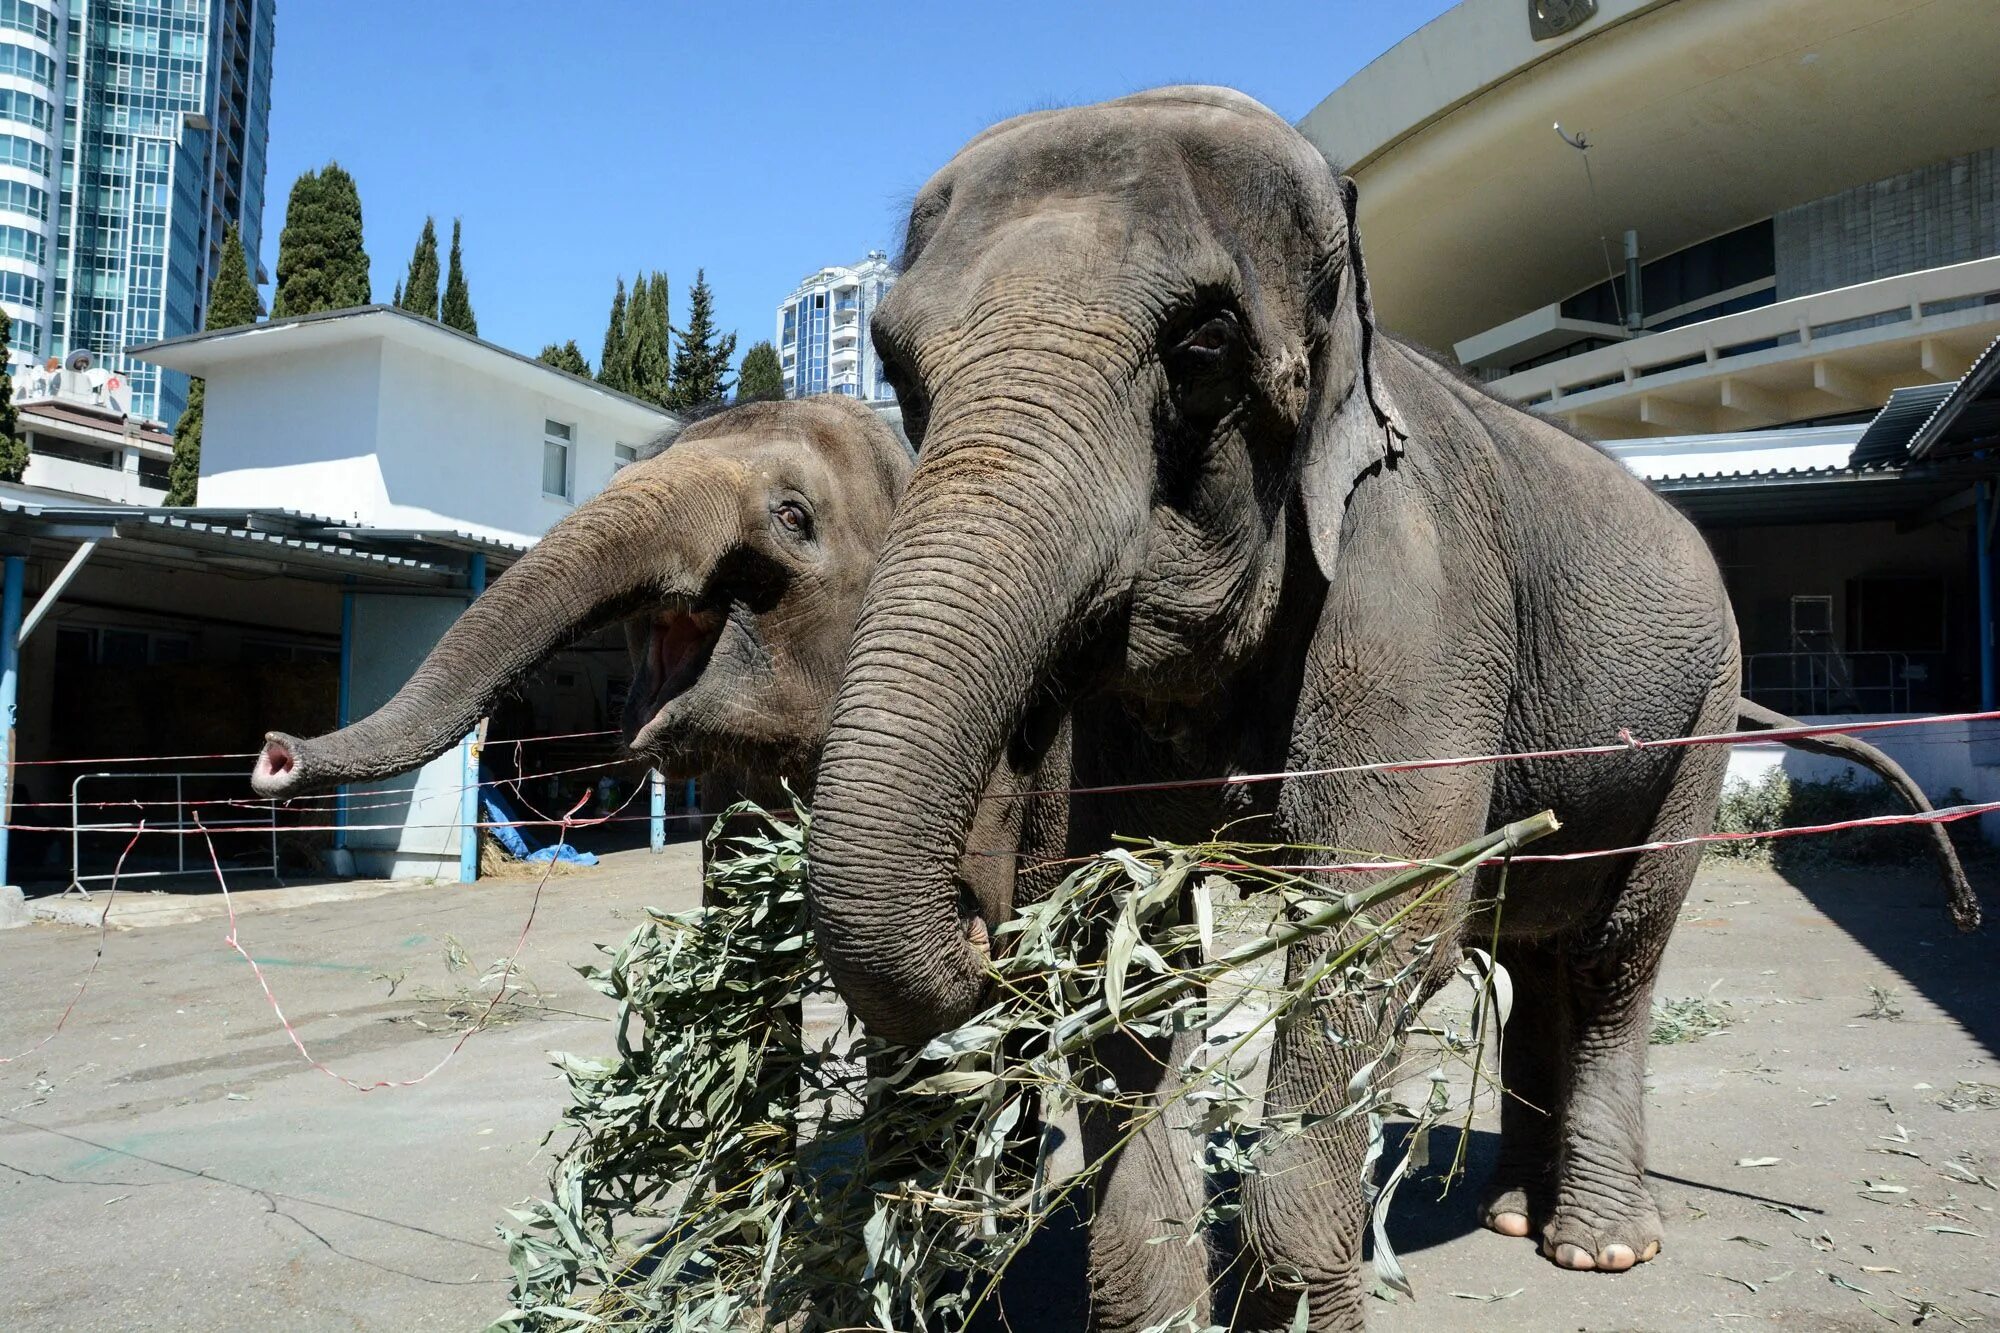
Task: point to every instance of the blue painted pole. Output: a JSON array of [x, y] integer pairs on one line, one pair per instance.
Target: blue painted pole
[[10, 684], [658, 782], [343, 713], [1983, 526], [468, 797]]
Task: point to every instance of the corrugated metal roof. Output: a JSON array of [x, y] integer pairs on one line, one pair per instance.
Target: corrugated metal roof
[[1968, 417], [303, 544], [1887, 438]]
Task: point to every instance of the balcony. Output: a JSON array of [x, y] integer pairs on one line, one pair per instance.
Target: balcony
[[93, 481], [1820, 355]]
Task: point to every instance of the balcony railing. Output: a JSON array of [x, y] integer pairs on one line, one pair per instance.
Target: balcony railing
[[1829, 682], [1907, 306]]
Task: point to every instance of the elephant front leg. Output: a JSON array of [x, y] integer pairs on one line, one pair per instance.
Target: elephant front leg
[[1149, 1261], [1534, 1054], [1304, 1206]]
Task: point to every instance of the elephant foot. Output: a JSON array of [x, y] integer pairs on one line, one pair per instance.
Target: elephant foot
[[1509, 1207], [1600, 1238]]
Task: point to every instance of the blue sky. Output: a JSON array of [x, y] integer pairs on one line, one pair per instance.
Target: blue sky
[[757, 141]]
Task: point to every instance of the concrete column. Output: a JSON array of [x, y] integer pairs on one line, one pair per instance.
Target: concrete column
[[658, 782]]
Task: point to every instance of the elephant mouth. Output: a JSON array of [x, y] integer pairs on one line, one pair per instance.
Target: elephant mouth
[[679, 644]]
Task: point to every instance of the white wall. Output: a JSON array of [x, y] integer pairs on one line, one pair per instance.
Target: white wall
[[394, 437], [392, 635], [295, 432]]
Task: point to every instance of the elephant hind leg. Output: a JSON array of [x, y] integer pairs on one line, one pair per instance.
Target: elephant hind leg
[[1601, 1215]]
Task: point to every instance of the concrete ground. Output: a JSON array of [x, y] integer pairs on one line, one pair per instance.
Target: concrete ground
[[168, 1161]]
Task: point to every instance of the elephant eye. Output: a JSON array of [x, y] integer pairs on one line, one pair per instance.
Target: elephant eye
[[793, 517], [1200, 365], [1206, 345]]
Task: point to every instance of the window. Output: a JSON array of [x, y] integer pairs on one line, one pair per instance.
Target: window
[[624, 455], [556, 440]]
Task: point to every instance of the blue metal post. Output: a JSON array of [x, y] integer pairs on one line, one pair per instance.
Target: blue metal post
[[468, 797], [658, 782], [342, 715], [1983, 527], [10, 683]]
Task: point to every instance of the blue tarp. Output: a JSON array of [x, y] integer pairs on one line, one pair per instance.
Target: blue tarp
[[500, 812]]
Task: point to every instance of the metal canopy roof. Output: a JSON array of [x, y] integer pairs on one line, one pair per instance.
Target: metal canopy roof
[[1887, 438], [1968, 418], [1807, 495], [264, 540]]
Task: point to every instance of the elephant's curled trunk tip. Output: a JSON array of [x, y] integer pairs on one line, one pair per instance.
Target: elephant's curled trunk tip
[[279, 770]]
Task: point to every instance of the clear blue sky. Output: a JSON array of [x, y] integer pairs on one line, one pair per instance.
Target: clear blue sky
[[757, 141]]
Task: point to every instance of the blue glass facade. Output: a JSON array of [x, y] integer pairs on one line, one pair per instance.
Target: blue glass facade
[[159, 144]]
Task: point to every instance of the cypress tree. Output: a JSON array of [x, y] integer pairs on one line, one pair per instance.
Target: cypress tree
[[13, 450], [321, 262], [762, 377], [419, 292], [232, 301], [568, 357], [648, 347], [702, 359], [612, 362], [456, 309]]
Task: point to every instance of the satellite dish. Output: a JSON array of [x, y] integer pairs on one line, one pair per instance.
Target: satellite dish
[[80, 360]]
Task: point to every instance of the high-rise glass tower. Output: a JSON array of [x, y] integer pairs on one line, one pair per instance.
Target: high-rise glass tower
[[132, 133], [823, 341]]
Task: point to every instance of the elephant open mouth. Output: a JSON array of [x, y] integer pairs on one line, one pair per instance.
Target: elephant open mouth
[[676, 654]]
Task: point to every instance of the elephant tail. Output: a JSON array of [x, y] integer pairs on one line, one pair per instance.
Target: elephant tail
[[1964, 903]]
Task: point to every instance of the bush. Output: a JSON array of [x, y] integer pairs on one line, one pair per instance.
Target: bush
[[1776, 801]]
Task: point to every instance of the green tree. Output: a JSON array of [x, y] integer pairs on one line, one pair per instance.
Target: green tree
[[703, 356], [568, 357], [419, 291], [13, 449], [321, 264], [232, 301], [762, 377], [612, 363], [648, 340], [456, 309]]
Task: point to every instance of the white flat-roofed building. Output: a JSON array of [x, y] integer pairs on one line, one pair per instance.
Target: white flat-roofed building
[[384, 419], [83, 443]]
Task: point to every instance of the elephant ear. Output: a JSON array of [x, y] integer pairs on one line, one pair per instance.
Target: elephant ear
[[1353, 424]]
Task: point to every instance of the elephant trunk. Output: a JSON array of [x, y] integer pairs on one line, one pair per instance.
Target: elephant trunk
[[647, 540], [1003, 547]]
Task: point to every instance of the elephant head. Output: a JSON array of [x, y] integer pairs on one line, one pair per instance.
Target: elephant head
[[1134, 343], [735, 558]]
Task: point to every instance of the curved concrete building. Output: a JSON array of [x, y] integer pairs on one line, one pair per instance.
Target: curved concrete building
[[1810, 189]]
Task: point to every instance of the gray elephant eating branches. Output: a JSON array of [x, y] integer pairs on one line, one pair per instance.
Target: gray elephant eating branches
[[1177, 485]]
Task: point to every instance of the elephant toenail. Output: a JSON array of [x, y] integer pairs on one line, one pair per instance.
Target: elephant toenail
[[1616, 1258], [1652, 1250], [1575, 1257], [1508, 1224]]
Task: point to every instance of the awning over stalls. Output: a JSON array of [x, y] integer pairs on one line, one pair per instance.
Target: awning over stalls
[[1967, 421], [278, 541], [1809, 495]]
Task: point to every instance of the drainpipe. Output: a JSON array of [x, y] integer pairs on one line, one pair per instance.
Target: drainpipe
[[468, 797], [1634, 297], [10, 680], [342, 715], [1983, 557]]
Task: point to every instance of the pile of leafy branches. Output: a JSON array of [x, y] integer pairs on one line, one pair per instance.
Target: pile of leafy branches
[[765, 1181]]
